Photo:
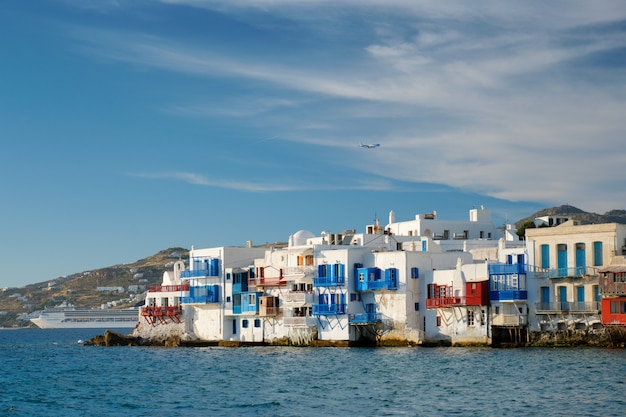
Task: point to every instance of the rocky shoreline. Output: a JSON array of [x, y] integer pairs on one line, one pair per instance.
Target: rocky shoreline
[[610, 337]]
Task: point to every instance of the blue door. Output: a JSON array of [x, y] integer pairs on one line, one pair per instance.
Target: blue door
[[545, 256], [563, 298], [581, 259], [562, 259]]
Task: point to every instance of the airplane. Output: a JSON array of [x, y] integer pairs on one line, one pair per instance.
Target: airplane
[[372, 146]]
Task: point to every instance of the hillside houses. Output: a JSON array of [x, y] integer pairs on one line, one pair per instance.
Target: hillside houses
[[422, 281]]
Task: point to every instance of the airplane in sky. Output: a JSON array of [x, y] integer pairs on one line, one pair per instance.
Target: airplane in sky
[[372, 146]]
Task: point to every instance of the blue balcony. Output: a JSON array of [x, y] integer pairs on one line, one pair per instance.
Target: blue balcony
[[366, 318], [369, 279], [508, 295], [207, 294], [502, 269], [328, 309], [195, 273], [333, 281], [246, 303], [202, 268]]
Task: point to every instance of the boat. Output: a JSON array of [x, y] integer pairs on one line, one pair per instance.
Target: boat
[[84, 318]]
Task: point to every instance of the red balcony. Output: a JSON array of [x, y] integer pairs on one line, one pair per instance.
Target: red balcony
[[267, 282], [152, 314], [169, 288], [445, 302]]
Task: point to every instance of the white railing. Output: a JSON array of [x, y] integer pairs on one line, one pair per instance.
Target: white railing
[[297, 321], [299, 297], [307, 270], [510, 320]]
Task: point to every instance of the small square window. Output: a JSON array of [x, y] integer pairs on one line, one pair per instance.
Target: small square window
[[257, 322], [228, 298], [244, 323]]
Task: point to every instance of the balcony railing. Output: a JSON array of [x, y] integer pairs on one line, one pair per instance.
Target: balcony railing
[[270, 311], [160, 311], [267, 282], [328, 309], [365, 318], [332, 281], [309, 270], [578, 271], [612, 288], [168, 288], [195, 273], [202, 295], [297, 298], [510, 320], [566, 306], [508, 295], [445, 302], [374, 285], [505, 269], [298, 321]]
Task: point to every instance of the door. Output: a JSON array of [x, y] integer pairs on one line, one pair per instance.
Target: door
[[563, 298], [545, 298], [581, 259], [562, 260]]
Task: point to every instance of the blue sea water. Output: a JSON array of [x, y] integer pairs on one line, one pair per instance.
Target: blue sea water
[[50, 373]]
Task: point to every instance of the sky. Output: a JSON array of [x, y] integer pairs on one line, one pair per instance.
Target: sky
[[129, 127]]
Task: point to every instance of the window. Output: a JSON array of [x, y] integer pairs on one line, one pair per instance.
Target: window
[[252, 300], [228, 298], [417, 306], [470, 318], [244, 323], [497, 309], [438, 321], [234, 326], [415, 272], [623, 307], [614, 307], [597, 253], [361, 277], [257, 322], [545, 256], [352, 296]]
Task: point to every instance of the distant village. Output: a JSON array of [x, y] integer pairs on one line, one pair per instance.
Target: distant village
[[422, 281]]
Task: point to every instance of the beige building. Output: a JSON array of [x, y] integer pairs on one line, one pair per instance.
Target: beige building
[[565, 260]]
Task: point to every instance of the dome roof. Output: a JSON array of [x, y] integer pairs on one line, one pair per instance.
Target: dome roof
[[300, 237]]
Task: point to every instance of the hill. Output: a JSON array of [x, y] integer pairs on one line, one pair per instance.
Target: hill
[[88, 288], [583, 217]]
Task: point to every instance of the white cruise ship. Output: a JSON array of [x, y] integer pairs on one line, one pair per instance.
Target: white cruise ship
[[70, 317]]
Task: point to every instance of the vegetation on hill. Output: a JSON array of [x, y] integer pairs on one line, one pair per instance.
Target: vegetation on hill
[[81, 289], [574, 213]]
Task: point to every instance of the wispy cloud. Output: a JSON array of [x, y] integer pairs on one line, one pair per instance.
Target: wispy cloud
[[260, 187]]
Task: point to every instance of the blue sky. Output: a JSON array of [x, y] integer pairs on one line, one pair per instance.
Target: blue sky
[[128, 127]]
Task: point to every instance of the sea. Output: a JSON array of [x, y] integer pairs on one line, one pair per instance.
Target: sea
[[52, 373]]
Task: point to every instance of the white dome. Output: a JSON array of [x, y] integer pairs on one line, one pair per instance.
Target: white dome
[[300, 237]]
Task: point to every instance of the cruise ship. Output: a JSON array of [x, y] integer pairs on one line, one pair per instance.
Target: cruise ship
[[70, 317]]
